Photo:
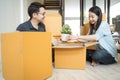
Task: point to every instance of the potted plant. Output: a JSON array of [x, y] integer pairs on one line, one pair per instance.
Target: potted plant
[[65, 31]]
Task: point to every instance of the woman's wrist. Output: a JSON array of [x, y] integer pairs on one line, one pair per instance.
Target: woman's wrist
[[79, 37]]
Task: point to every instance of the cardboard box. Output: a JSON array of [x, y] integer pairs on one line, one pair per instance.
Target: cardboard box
[[26, 55]]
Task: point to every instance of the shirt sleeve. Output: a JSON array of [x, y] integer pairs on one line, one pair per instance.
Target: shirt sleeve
[[102, 31], [44, 27], [19, 28]]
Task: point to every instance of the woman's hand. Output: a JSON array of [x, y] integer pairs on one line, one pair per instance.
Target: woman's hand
[[77, 38], [73, 37]]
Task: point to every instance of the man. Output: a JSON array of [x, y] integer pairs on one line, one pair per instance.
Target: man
[[36, 13]]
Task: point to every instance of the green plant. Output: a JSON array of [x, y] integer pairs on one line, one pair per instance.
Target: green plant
[[66, 29]]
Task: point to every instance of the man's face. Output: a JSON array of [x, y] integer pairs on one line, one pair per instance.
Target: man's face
[[40, 15]]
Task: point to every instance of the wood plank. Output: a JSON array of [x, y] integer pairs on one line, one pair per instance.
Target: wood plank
[[100, 72]]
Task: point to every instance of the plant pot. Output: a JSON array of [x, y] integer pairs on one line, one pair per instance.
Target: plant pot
[[65, 37]]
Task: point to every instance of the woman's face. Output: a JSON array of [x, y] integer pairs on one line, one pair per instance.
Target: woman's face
[[93, 18]]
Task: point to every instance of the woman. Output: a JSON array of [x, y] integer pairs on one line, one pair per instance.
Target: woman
[[105, 52]]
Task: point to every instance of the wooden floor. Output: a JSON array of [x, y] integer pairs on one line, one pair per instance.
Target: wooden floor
[[100, 72]]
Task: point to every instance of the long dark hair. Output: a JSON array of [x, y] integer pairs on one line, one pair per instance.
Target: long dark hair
[[98, 12]]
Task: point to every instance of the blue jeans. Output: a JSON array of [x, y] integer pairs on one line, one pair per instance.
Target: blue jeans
[[100, 55]]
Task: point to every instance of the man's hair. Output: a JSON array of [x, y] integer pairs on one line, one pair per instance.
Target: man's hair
[[34, 8]]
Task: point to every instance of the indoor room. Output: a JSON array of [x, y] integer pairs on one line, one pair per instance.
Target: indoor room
[[59, 40]]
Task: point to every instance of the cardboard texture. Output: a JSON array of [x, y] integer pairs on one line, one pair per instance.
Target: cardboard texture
[[26, 55]]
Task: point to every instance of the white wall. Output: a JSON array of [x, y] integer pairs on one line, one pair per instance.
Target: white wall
[[9, 15]]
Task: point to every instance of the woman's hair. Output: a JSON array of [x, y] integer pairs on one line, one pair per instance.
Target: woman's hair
[[98, 12], [34, 8]]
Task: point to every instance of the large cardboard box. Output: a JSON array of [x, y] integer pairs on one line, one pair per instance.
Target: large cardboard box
[[26, 55], [71, 55], [70, 58], [53, 23]]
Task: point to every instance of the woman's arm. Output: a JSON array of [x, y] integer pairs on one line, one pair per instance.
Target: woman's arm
[[86, 37]]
